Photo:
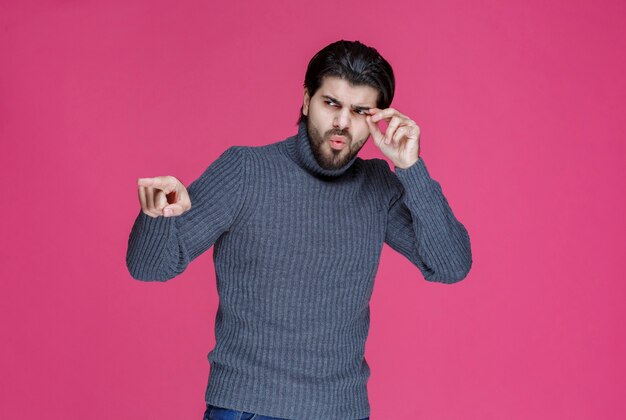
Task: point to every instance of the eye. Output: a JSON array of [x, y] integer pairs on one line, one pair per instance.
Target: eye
[[331, 103], [361, 112]]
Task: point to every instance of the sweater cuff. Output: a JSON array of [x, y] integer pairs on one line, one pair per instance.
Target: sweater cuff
[[418, 185], [150, 236], [156, 225], [145, 245], [415, 177]]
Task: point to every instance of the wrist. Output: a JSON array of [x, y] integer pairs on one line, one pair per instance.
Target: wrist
[[405, 165]]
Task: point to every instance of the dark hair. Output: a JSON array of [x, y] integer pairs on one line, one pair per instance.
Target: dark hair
[[355, 62]]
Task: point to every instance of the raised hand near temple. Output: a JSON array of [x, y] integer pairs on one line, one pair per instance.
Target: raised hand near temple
[[400, 141]]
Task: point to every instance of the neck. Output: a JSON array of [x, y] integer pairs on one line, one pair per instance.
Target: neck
[[300, 149]]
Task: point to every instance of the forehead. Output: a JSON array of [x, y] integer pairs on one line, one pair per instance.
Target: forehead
[[347, 93]]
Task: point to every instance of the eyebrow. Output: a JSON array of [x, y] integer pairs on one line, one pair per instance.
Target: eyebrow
[[355, 107]]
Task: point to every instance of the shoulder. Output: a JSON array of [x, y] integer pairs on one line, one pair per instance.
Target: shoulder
[[241, 155], [253, 160], [258, 151]]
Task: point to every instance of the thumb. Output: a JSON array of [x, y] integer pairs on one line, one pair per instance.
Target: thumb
[[375, 132], [173, 210]]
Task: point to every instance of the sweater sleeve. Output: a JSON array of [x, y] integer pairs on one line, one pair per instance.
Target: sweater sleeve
[[160, 248], [422, 227]]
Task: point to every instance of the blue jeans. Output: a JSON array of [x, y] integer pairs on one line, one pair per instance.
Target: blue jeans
[[217, 413]]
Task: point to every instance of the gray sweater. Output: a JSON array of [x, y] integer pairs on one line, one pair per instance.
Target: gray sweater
[[296, 250]]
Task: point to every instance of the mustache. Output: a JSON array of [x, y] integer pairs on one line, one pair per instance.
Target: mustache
[[338, 132]]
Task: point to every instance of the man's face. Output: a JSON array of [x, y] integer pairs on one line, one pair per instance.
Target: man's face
[[336, 120]]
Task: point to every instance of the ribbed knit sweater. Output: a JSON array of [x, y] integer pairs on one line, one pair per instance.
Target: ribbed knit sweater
[[296, 250]]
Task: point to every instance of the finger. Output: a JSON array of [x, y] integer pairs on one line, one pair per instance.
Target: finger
[[412, 130], [373, 111], [142, 197], [173, 210], [391, 128], [164, 183], [145, 182], [160, 201], [145, 202], [375, 132], [400, 133], [385, 114], [150, 200], [378, 114], [180, 206]]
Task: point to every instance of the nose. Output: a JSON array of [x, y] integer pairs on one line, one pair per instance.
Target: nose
[[342, 119]]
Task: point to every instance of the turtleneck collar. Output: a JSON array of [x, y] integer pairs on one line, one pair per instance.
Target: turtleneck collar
[[300, 150]]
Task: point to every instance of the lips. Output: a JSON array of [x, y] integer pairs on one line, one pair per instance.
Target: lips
[[337, 142]]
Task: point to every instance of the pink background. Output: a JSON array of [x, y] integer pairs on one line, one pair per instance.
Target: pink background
[[522, 111]]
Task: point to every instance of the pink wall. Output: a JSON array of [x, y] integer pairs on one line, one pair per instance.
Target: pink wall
[[522, 110]]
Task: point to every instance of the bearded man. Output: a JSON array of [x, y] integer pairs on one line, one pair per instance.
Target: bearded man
[[297, 228]]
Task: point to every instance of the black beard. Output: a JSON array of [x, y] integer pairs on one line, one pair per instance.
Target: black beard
[[337, 160]]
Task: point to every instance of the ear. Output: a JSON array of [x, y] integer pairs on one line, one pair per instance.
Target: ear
[[305, 102]]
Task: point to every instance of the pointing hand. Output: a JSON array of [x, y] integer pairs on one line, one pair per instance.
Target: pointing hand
[[163, 196]]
